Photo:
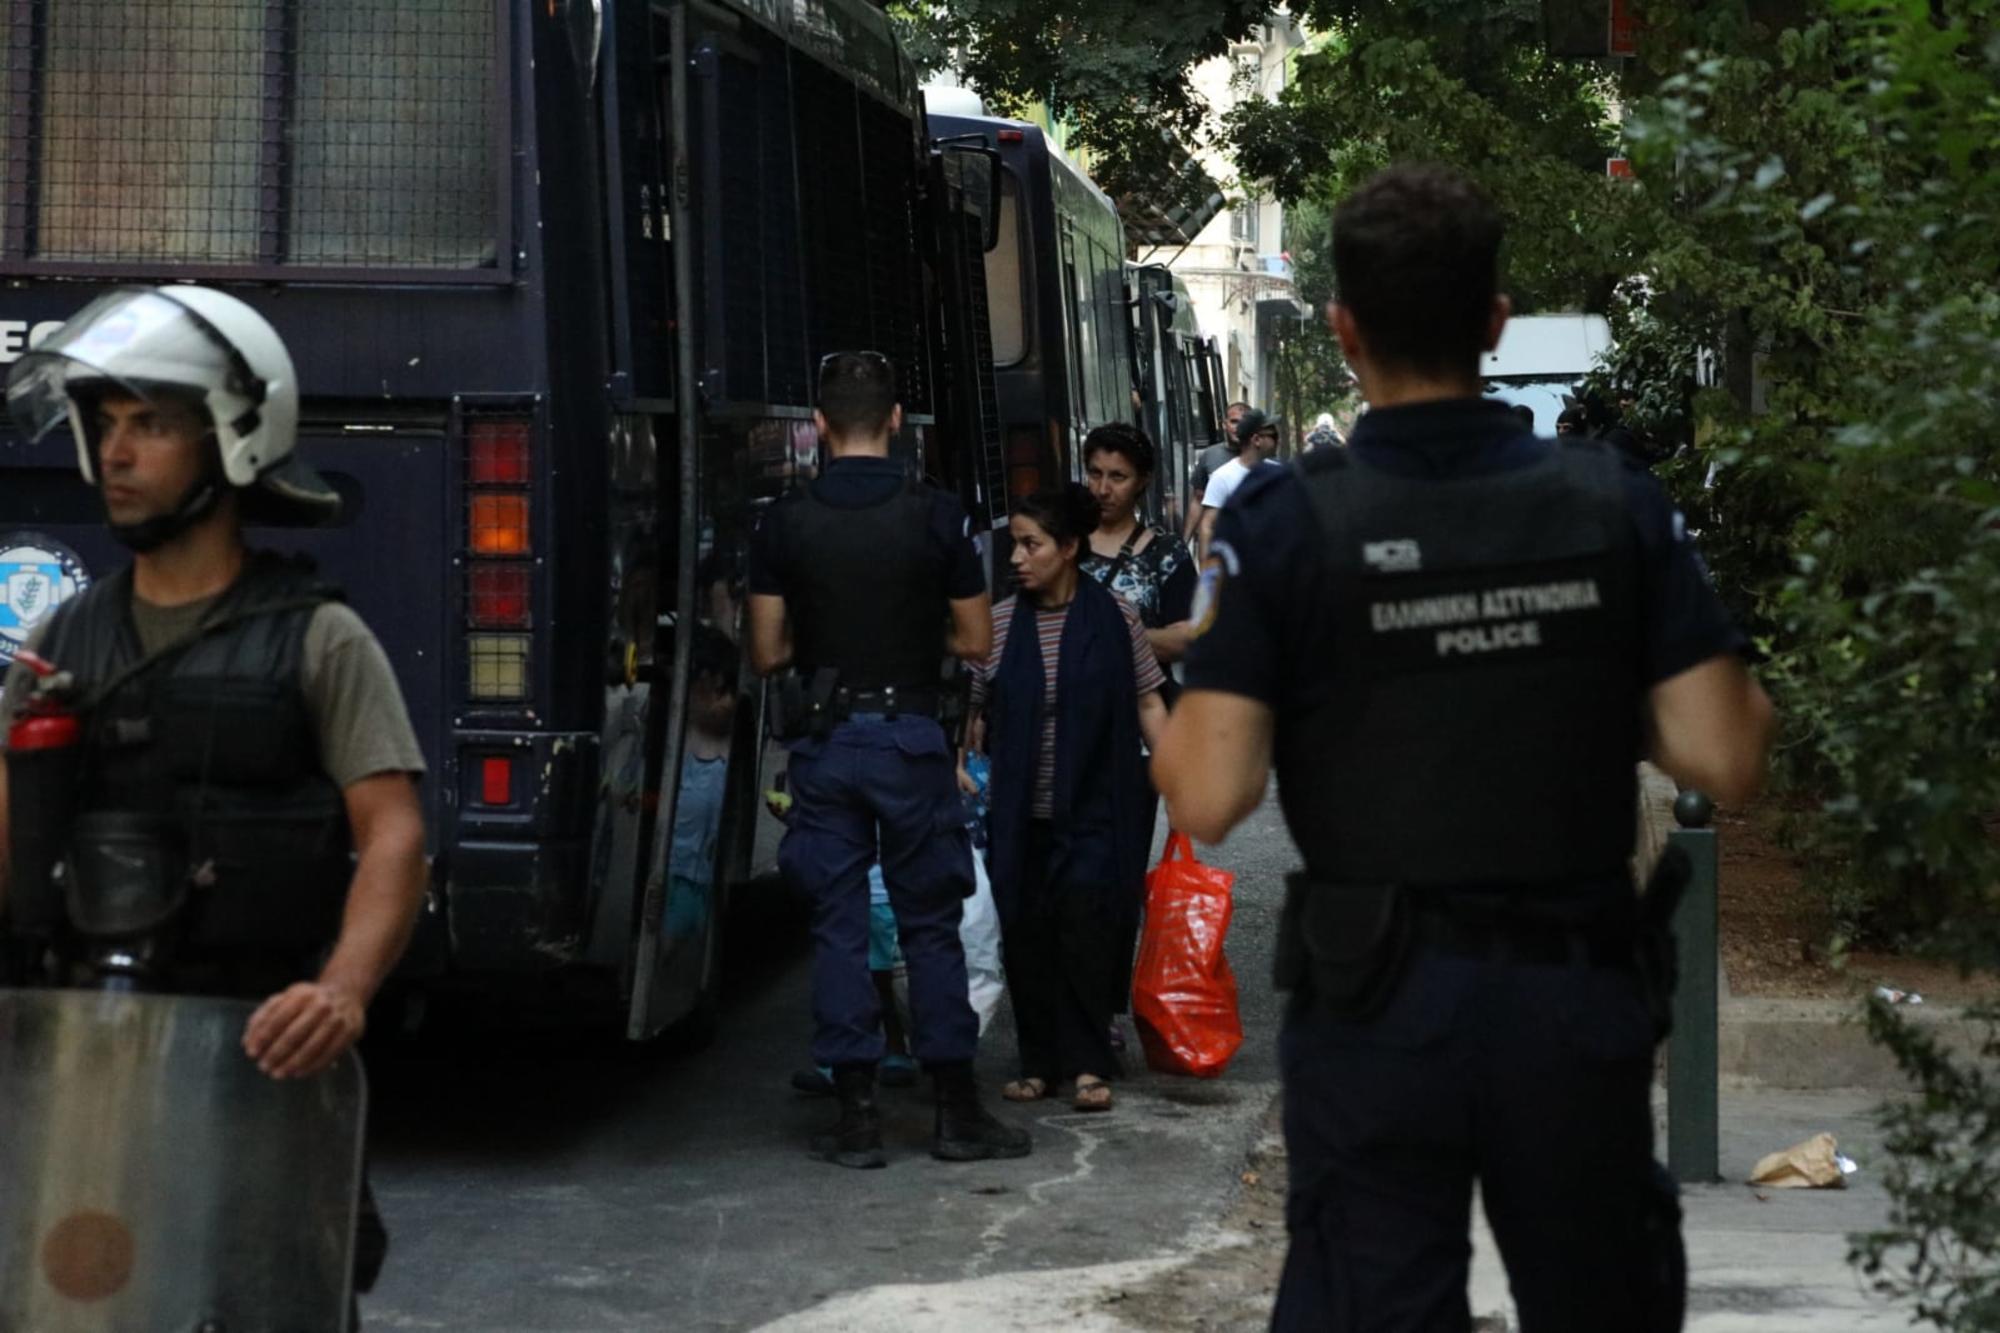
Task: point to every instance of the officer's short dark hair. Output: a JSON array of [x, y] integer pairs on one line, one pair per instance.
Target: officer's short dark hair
[[857, 392], [1416, 260], [1068, 513], [1122, 437]]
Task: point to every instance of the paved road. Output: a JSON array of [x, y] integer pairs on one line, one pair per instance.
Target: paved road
[[537, 1184]]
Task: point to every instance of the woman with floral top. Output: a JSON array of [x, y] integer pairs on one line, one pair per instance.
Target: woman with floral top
[[1152, 570], [1142, 564]]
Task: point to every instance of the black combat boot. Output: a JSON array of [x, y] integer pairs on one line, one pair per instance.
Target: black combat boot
[[966, 1132], [855, 1139]]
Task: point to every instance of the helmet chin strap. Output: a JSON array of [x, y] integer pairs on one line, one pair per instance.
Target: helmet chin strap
[[200, 499]]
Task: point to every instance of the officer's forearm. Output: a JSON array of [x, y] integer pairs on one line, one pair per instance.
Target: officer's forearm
[[770, 634], [1213, 762], [970, 636], [386, 895], [1170, 642], [1711, 729]]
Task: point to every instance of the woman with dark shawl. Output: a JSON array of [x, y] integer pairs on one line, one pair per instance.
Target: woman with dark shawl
[[1070, 690]]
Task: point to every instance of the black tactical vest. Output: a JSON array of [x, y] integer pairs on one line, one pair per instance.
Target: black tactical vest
[[217, 736], [867, 590], [1479, 719]]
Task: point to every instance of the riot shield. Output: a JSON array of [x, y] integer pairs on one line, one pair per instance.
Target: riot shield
[[153, 1181]]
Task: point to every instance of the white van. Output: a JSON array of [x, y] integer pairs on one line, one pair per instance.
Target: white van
[[1542, 357]]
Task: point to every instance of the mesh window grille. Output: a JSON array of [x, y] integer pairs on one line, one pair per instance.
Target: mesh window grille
[[251, 132]]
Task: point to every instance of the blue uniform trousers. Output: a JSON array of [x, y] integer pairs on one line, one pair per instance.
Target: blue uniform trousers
[[889, 788], [1531, 1079]]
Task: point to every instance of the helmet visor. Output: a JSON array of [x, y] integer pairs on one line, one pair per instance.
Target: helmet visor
[[136, 340]]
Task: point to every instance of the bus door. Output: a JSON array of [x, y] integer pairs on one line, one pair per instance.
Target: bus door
[[656, 831]]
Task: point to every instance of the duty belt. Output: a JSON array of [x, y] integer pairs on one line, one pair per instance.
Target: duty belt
[[891, 701], [1523, 940]]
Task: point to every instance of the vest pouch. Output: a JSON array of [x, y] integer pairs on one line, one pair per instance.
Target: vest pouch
[[231, 731], [273, 867], [1353, 942], [43, 789], [127, 874]]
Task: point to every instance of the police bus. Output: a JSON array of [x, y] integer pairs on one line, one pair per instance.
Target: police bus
[[1061, 343], [1178, 376], [556, 278]]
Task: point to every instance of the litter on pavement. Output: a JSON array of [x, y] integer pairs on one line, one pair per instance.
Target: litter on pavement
[[1816, 1164]]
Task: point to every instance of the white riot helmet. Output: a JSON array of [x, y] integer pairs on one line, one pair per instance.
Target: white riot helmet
[[189, 341]]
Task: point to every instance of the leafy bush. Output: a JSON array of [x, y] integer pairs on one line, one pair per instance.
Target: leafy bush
[[1838, 198]]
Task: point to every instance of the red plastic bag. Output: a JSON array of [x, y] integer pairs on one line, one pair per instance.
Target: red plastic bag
[[1183, 993]]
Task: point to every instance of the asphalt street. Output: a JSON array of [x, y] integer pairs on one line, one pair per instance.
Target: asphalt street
[[546, 1183]]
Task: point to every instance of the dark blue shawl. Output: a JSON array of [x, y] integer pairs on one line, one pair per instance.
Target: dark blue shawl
[[1099, 822]]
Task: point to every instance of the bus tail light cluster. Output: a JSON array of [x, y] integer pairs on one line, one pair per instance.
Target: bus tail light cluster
[[499, 577]]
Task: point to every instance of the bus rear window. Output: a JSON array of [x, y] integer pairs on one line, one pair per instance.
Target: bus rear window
[[255, 133]]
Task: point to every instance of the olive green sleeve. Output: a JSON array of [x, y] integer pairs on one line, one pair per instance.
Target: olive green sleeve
[[357, 706]]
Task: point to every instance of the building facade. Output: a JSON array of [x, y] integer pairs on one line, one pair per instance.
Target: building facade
[[1236, 268]]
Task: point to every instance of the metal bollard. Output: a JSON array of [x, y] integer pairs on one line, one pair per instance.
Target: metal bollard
[[1693, 1148]]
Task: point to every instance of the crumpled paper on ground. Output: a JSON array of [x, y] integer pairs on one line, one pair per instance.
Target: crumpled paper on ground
[[1812, 1165]]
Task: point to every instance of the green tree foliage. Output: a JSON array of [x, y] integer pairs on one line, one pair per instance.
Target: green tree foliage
[[1115, 70], [1831, 194], [1466, 82]]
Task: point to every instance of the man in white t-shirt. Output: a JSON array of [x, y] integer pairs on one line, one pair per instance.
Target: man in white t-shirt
[[1256, 441]]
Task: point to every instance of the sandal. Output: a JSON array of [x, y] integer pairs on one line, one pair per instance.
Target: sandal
[[1026, 1090], [1092, 1096]]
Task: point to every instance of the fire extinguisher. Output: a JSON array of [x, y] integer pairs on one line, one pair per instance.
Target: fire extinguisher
[[44, 779], [50, 721]]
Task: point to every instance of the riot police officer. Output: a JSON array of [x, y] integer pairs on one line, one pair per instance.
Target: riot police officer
[[1454, 641], [234, 711], [863, 581]]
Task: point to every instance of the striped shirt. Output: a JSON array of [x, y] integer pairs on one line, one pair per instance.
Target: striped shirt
[[1146, 674]]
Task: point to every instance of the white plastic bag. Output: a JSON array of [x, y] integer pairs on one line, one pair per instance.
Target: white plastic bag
[[979, 932]]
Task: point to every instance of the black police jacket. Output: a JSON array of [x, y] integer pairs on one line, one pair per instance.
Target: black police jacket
[[1480, 721]]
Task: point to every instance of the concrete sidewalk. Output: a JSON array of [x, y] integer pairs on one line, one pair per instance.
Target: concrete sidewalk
[[1775, 1263]]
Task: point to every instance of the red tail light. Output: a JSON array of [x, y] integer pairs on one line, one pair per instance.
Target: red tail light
[[496, 780], [498, 450], [498, 596]]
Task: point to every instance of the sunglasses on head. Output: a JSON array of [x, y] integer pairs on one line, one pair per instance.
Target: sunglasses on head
[[872, 358]]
